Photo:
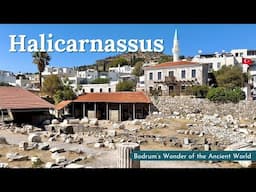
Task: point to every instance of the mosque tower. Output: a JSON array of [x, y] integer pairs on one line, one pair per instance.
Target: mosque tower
[[175, 49]]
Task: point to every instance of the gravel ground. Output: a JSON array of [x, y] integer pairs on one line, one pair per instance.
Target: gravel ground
[[108, 158]]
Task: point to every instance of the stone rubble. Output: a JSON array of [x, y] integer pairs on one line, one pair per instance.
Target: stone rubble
[[3, 140], [211, 127], [4, 165], [16, 157]]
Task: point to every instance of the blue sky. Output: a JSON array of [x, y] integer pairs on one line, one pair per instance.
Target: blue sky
[[192, 37]]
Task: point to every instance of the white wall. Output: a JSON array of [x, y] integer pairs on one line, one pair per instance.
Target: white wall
[[7, 77], [200, 77], [96, 87]]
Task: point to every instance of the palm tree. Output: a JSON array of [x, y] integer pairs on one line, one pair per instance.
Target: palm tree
[[41, 59]]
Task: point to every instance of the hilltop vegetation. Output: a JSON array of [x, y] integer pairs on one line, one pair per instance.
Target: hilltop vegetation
[[127, 59]]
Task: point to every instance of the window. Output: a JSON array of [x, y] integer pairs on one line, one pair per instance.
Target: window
[[218, 65], [150, 89], [210, 66], [183, 74], [159, 75], [150, 76], [109, 90], [171, 73], [92, 90], [159, 90], [193, 73], [236, 54], [251, 52], [100, 90]]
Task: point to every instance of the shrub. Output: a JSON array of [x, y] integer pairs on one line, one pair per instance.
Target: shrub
[[200, 91], [224, 95], [126, 85], [100, 81]]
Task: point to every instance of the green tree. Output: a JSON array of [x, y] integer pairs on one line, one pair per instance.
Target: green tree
[[138, 70], [41, 59], [5, 84], [51, 85], [117, 61], [100, 81], [224, 95], [230, 77], [182, 57], [66, 93], [133, 58], [126, 85], [200, 91], [165, 58]]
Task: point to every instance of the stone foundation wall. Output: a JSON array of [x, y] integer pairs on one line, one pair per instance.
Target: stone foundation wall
[[183, 105]]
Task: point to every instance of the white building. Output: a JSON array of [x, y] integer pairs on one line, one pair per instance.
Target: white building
[[24, 83], [174, 77], [216, 61], [7, 77], [141, 84], [75, 82], [99, 88], [234, 57], [124, 69], [28, 81], [89, 74], [60, 71], [150, 63]]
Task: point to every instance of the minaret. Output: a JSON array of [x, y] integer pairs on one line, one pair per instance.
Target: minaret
[[175, 49]]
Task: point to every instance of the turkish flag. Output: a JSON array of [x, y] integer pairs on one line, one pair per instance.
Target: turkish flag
[[247, 61]]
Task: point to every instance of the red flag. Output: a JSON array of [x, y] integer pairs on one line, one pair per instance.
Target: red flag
[[247, 61]]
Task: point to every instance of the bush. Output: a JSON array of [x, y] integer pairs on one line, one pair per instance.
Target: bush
[[100, 81], [200, 91], [127, 85], [224, 95], [5, 84]]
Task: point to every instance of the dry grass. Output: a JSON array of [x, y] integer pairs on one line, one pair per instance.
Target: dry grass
[[156, 146], [170, 130], [244, 121]]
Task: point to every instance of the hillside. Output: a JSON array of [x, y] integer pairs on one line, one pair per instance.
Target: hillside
[[127, 58]]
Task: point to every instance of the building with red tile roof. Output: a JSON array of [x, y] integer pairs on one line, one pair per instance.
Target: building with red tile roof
[[62, 104], [23, 105], [115, 106], [115, 97], [174, 77]]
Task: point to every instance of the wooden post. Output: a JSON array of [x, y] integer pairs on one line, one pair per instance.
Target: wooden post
[[83, 109], [95, 110], [120, 112], [133, 111], [73, 110], [124, 151], [107, 118]]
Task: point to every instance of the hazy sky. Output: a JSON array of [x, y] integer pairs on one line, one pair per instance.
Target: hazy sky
[[209, 38]]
